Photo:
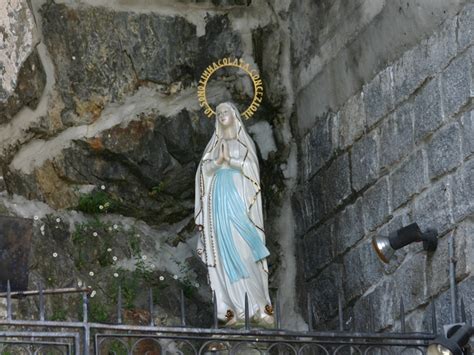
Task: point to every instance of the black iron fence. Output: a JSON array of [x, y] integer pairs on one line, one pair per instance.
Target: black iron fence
[[42, 336], [49, 337]]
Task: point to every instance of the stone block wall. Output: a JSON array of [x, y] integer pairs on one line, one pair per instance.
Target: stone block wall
[[398, 151]]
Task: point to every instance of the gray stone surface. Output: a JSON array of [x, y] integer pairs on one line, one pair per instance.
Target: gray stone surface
[[318, 145], [408, 179], [467, 132], [351, 121], [148, 167], [427, 109], [437, 263], [432, 210], [378, 97], [29, 88], [309, 204], [396, 137], [319, 248], [18, 40], [362, 268], [463, 191], [349, 227], [376, 207], [412, 275], [382, 303], [323, 292], [337, 184], [117, 52], [457, 84], [424, 60], [444, 151], [365, 161], [466, 27]]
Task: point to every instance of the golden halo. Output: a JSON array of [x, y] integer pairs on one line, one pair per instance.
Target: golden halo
[[236, 63]]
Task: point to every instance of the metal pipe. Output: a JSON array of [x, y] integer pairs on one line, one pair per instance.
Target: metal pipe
[[17, 294], [119, 305], [452, 279], [9, 301], [402, 316], [247, 321], [340, 314], [214, 309], [41, 301], [150, 305], [309, 309], [183, 315], [278, 312]]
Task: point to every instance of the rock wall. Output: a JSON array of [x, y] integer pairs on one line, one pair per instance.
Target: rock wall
[[101, 133], [385, 125]]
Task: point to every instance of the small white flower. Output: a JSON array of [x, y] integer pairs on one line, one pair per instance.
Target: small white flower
[[58, 219], [143, 257], [152, 266], [102, 187], [79, 283], [95, 234], [175, 277], [196, 285], [115, 274], [137, 235], [93, 293], [109, 249], [115, 226], [162, 278], [91, 273], [73, 57], [55, 255], [101, 207], [35, 218], [114, 258]]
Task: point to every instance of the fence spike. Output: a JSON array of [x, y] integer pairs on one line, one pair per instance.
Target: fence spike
[[119, 305], [463, 311], [247, 320], [339, 307], [84, 307], [371, 318], [41, 301], [402, 316], [183, 314], [278, 312], [309, 309], [9, 301], [214, 309], [150, 304], [434, 323], [452, 280]]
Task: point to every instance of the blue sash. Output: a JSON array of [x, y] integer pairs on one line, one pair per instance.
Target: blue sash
[[228, 210]]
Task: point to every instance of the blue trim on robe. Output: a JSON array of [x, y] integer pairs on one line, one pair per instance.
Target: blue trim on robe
[[228, 210]]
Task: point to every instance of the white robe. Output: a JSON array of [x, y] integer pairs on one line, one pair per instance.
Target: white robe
[[231, 296]]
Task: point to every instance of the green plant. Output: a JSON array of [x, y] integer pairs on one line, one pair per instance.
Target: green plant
[[97, 311], [96, 202], [91, 240], [59, 313]]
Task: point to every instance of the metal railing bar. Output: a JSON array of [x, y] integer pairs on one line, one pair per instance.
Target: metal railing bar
[[18, 294], [221, 331]]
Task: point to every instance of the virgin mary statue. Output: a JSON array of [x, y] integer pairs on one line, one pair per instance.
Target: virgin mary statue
[[228, 213]]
